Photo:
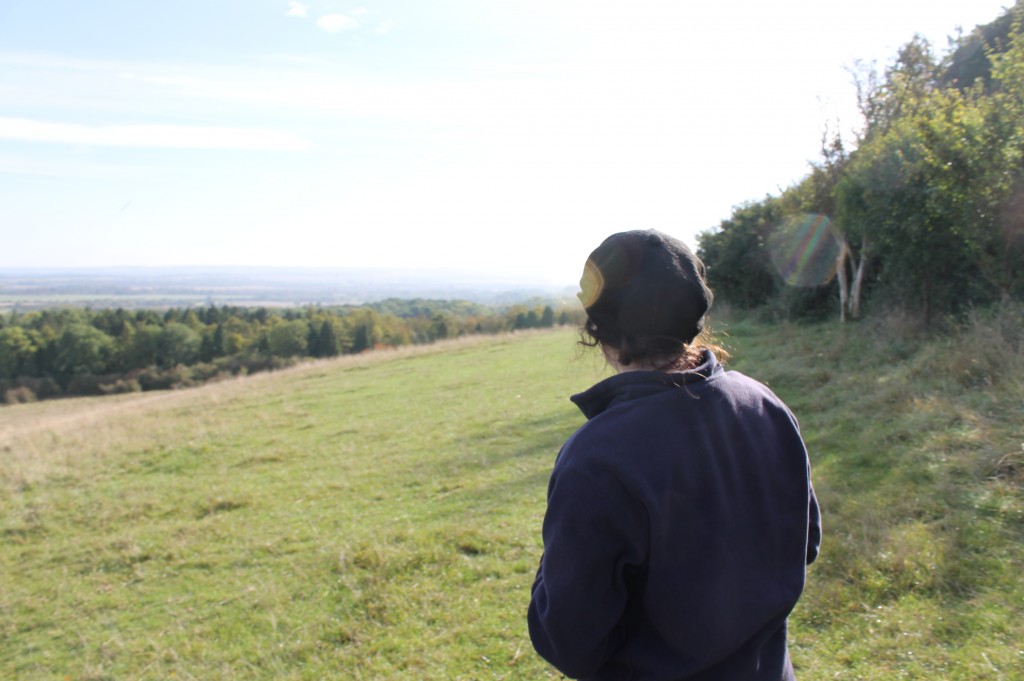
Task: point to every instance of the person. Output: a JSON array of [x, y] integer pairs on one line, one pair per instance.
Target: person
[[681, 516]]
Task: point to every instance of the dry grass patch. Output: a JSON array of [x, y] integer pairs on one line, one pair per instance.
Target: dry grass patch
[[56, 437]]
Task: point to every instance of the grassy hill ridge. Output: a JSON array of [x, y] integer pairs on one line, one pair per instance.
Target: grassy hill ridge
[[377, 517]]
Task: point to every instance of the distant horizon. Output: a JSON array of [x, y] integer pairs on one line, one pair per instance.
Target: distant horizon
[[257, 267], [176, 286], [457, 275]]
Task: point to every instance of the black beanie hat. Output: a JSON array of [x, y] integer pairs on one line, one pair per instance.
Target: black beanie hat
[[645, 283]]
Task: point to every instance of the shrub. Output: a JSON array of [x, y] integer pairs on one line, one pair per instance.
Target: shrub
[[41, 388], [86, 384], [152, 378], [19, 395], [121, 385]]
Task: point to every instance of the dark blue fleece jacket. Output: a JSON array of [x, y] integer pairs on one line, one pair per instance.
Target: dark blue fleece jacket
[[680, 520]]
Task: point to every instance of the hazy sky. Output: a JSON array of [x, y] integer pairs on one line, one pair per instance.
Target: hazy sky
[[502, 136]]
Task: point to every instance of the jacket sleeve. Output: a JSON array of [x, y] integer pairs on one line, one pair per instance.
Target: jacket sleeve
[[813, 528], [593, 534]]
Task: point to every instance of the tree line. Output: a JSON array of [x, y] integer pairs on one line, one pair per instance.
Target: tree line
[[923, 209], [68, 351]]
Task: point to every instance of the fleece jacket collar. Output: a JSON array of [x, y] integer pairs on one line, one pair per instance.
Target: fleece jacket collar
[[631, 385]]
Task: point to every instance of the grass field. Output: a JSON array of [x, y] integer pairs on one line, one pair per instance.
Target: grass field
[[378, 517]]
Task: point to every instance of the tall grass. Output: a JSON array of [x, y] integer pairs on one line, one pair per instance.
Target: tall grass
[[378, 517], [917, 446]]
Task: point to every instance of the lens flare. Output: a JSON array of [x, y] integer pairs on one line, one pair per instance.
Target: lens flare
[[591, 284], [805, 250]]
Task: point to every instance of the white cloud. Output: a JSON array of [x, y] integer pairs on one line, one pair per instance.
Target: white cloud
[[385, 27], [151, 136], [334, 23], [297, 9]]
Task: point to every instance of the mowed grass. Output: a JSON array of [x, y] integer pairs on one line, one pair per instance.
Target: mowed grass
[[368, 518], [378, 517]]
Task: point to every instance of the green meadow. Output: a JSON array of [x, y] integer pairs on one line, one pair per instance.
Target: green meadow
[[378, 516]]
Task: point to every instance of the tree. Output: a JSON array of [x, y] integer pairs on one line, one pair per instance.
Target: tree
[[884, 101], [971, 59], [547, 317], [439, 326], [886, 98], [934, 180], [852, 258], [940, 186], [1000, 200], [17, 352], [288, 339], [366, 331], [738, 264], [214, 344], [143, 348], [327, 342], [191, 320], [238, 334], [110, 322], [82, 350], [177, 344]]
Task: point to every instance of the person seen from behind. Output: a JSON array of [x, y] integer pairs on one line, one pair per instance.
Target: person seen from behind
[[681, 515]]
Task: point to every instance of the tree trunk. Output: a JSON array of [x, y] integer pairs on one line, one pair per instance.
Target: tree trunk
[[844, 251], [928, 300], [858, 279]]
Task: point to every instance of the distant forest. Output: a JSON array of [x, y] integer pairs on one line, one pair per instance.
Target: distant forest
[[922, 212], [63, 352]]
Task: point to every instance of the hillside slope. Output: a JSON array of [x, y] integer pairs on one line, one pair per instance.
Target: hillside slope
[[918, 458], [377, 517]]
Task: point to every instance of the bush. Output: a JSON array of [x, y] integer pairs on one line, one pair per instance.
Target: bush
[[107, 384], [153, 378], [800, 303], [86, 384], [204, 371], [121, 385], [19, 395], [256, 362], [41, 388]]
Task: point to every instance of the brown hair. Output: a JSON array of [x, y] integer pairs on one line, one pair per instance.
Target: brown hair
[[660, 352]]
